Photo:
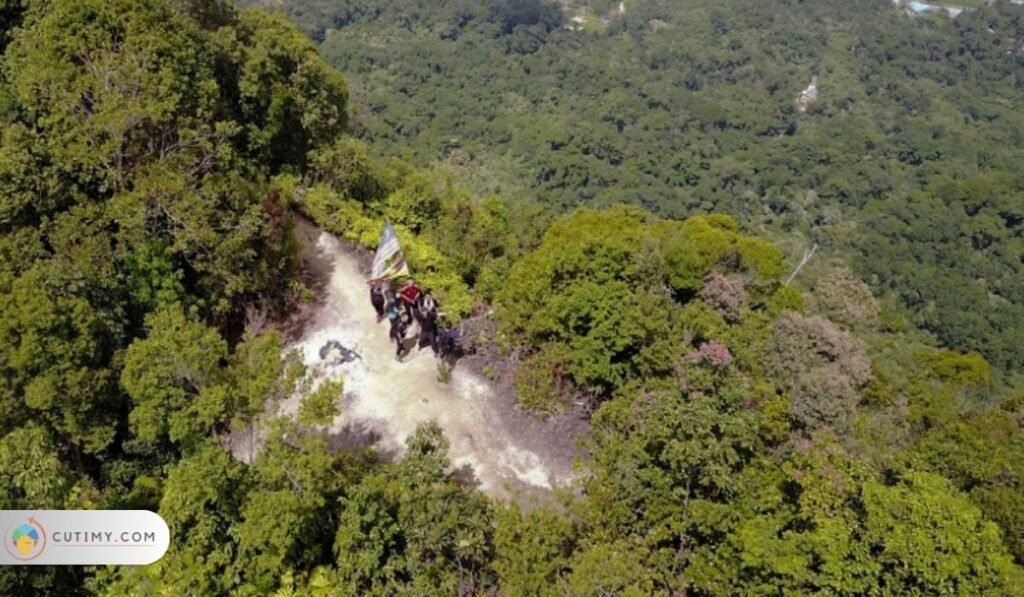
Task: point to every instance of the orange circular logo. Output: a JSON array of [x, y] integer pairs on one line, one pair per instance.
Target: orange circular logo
[[26, 541]]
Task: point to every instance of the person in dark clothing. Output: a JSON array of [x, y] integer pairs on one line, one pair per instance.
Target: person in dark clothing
[[426, 305], [398, 327], [447, 344], [426, 309], [377, 298], [428, 332]]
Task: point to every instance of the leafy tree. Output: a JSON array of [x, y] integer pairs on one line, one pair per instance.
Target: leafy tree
[[285, 520], [836, 529], [32, 475], [56, 352], [411, 527], [532, 549], [172, 377], [320, 407], [257, 374], [1002, 505], [202, 497], [609, 570], [606, 285], [136, 225], [289, 101], [663, 463], [923, 536]]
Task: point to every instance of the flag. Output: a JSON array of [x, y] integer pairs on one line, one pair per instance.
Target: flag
[[389, 262]]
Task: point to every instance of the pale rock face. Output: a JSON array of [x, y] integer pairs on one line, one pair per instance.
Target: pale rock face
[[808, 95], [385, 400]]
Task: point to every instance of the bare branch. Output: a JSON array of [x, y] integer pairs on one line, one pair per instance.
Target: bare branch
[[807, 257]]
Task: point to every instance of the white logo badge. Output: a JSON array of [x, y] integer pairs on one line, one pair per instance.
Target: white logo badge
[[84, 537]]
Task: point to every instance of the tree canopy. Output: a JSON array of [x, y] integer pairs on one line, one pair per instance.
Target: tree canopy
[[747, 436], [906, 164]]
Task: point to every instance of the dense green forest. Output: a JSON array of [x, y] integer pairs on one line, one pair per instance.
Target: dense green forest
[[907, 165], [748, 436]]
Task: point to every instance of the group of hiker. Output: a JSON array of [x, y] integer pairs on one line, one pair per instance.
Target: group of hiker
[[409, 304]]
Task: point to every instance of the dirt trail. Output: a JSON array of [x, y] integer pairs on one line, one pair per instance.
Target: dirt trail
[[385, 400]]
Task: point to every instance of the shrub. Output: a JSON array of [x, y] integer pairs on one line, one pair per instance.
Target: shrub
[[541, 380], [321, 407]]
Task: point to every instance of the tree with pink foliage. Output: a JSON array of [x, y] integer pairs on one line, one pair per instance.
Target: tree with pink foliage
[[725, 294], [712, 353], [821, 367]]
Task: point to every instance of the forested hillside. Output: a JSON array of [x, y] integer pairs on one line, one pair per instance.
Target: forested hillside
[[748, 436], [907, 165]]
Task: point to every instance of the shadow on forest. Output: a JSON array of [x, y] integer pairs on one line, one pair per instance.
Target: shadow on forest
[[466, 476], [357, 434]]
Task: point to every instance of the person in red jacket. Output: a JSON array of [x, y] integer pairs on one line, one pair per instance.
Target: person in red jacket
[[410, 294]]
